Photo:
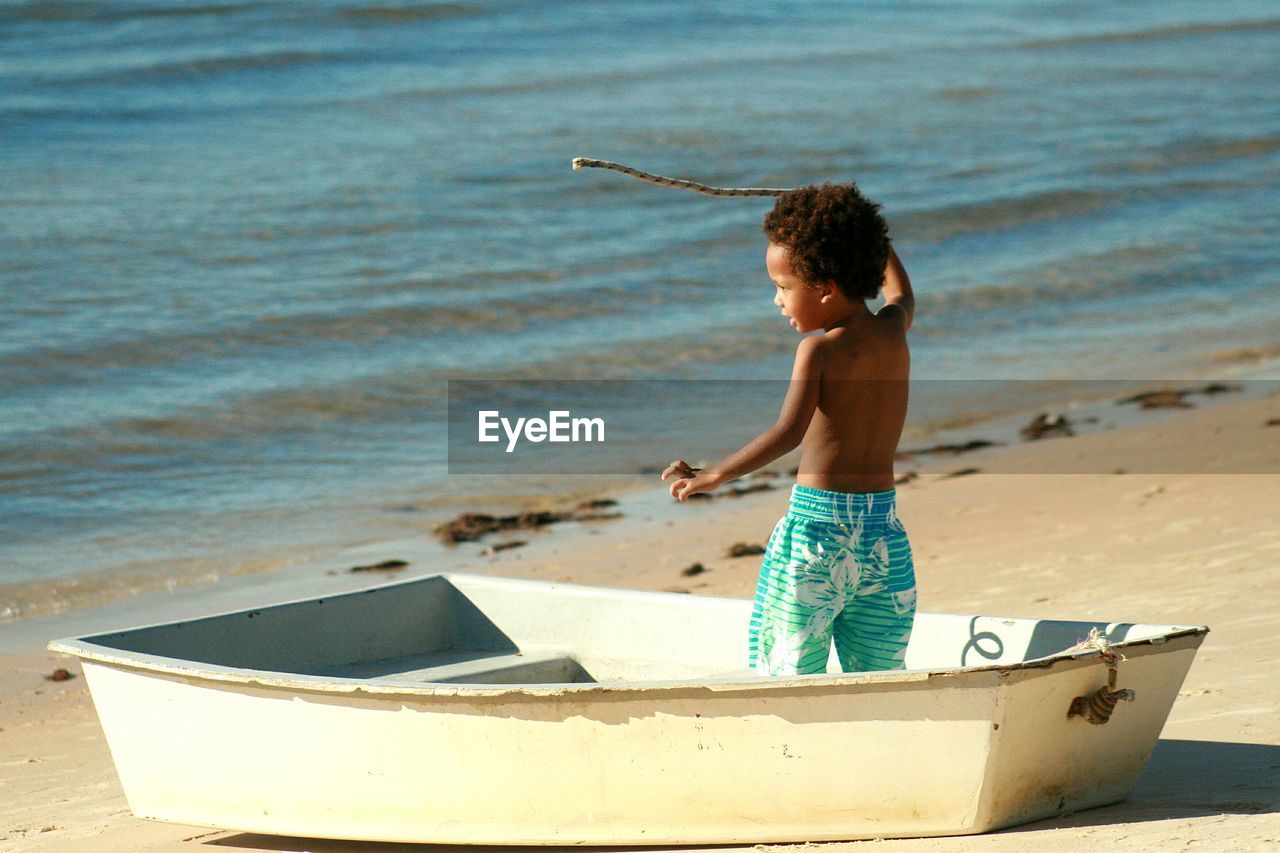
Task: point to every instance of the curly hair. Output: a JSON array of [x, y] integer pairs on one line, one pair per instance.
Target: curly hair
[[832, 232]]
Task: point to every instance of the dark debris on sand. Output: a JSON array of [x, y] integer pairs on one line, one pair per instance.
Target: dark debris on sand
[[1045, 425], [947, 449], [384, 566], [60, 675], [963, 472], [502, 546], [470, 526], [733, 492], [695, 569], [1168, 398], [597, 516], [1175, 398], [745, 549]]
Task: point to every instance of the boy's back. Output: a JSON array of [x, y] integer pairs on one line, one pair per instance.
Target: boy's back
[[862, 405]]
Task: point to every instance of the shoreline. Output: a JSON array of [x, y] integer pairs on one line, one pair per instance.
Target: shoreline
[[1152, 547], [1088, 405], [642, 503]]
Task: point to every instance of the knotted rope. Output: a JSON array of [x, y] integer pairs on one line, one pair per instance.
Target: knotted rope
[[724, 192], [1098, 706]]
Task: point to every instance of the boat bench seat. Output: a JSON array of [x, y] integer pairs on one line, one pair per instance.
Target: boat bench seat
[[552, 667]]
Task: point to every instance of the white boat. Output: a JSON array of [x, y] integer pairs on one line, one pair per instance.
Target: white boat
[[475, 710]]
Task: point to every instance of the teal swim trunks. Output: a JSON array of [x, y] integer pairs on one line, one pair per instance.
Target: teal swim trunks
[[838, 566]]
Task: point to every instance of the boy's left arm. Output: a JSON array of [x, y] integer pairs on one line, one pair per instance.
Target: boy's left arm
[[898, 296], [781, 438]]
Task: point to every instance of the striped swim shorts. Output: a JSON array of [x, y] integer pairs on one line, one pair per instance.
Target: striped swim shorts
[[838, 566]]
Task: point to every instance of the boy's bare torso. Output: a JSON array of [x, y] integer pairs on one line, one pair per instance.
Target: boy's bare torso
[[862, 405], [847, 400]]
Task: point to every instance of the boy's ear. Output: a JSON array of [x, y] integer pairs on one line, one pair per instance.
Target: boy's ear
[[828, 290]]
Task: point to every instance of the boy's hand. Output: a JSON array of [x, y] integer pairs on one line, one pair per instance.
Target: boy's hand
[[688, 480]]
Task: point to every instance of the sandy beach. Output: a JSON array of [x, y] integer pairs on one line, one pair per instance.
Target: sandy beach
[[1189, 548]]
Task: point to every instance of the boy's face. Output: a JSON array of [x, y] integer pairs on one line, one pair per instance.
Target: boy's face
[[804, 304]]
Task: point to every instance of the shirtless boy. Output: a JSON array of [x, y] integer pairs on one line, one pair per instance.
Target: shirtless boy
[[838, 565]]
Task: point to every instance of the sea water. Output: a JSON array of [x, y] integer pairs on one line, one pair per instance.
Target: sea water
[[245, 245]]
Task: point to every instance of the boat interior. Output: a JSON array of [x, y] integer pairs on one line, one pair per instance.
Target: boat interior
[[471, 629]]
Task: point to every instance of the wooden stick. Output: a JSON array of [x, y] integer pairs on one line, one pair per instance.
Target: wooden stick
[[724, 192]]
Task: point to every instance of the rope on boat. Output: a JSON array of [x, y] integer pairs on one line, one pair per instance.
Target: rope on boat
[[1098, 706], [676, 183]]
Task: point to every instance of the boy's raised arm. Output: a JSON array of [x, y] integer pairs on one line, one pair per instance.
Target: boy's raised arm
[[897, 289], [781, 438]]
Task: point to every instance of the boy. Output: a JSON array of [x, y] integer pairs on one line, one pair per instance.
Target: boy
[[838, 564]]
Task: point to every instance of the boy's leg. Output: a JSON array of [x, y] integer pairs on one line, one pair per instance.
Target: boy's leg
[[872, 631], [788, 634]]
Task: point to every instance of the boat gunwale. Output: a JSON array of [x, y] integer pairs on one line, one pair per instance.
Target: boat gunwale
[[175, 667], [181, 668]]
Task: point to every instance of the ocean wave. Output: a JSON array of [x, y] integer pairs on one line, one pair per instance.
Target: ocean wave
[[162, 72], [45, 596], [1000, 214], [961, 94], [1154, 33], [42, 11], [231, 435], [59, 11], [231, 430], [14, 117], [1194, 152], [74, 365], [1115, 272], [1009, 214], [403, 13], [677, 67]]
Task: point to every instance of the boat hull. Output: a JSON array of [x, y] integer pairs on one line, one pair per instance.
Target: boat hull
[[731, 760]]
